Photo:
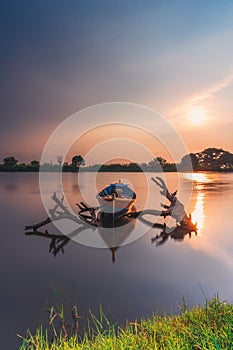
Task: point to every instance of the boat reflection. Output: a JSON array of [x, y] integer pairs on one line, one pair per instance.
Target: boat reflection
[[120, 231]]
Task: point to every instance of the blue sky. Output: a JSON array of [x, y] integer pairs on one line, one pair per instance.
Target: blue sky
[[58, 57]]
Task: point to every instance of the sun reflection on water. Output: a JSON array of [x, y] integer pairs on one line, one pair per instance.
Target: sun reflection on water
[[198, 214], [197, 177]]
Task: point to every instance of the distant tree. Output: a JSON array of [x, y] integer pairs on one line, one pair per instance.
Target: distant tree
[[66, 167], [157, 163], [162, 161], [59, 160], [153, 163], [189, 162], [10, 161], [215, 159], [209, 159], [77, 161], [35, 163]]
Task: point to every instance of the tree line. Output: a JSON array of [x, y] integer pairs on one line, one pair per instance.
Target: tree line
[[78, 164], [12, 164], [211, 159]]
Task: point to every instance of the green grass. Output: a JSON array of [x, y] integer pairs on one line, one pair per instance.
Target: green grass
[[207, 327]]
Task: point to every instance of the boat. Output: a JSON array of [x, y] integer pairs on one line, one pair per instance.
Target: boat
[[116, 200]]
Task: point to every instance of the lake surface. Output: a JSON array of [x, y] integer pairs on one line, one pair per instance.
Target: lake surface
[[144, 277]]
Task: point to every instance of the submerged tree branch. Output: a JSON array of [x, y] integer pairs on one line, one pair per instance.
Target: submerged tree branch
[[176, 208], [91, 216]]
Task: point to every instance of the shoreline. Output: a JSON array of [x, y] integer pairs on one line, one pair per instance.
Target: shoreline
[[117, 171], [201, 327]]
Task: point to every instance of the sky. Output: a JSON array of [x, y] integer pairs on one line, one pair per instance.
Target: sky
[[58, 57]]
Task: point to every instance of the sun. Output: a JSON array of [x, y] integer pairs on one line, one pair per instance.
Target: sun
[[197, 115]]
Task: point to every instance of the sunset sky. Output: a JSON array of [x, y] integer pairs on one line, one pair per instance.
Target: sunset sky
[[58, 57]]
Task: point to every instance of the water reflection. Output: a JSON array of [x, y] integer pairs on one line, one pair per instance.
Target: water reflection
[[11, 187], [198, 215], [197, 177], [115, 229], [176, 233], [200, 182], [144, 277], [115, 238], [208, 182], [112, 239]]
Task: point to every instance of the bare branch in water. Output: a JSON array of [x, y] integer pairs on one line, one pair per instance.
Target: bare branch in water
[[176, 208], [89, 216]]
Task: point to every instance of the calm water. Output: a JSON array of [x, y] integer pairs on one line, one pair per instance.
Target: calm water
[[143, 279]]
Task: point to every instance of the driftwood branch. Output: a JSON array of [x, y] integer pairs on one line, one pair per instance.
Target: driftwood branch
[[85, 210], [56, 214], [40, 224], [165, 192], [88, 214], [176, 208], [59, 212], [65, 211], [92, 216]]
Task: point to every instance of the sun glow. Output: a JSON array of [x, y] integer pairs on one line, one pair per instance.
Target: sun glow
[[197, 115]]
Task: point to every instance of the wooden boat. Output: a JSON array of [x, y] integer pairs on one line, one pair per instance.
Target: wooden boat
[[116, 200]]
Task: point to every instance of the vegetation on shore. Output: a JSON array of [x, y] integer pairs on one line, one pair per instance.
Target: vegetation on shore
[[206, 327], [211, 159]]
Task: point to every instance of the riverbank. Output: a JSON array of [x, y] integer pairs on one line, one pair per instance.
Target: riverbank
[[203, 327], [110, 170]]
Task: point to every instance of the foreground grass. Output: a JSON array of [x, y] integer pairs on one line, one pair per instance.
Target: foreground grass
[[207, 327]]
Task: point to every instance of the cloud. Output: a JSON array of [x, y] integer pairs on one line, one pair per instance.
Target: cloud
[[212, 90]]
